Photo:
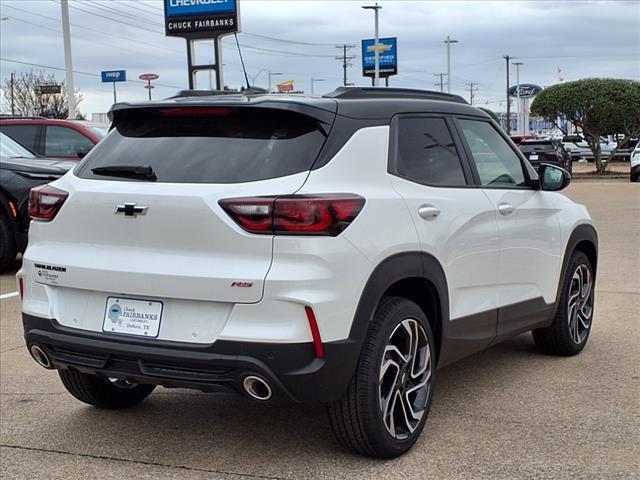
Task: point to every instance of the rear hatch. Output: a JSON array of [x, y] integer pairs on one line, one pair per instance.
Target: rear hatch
[[539, 151], [164, 235]]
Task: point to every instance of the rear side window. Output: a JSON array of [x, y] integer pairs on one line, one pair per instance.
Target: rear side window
[[231, 145], [65, 142], [25, 135], [497, 164], [426, 152]]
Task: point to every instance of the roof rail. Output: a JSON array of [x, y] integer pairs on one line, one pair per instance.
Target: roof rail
[[20, 117], [210, 93], [387, 92]]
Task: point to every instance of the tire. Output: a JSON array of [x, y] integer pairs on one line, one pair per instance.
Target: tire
[[357, 419], [8, 250], [102, 392], [569, 332], [634, 178]]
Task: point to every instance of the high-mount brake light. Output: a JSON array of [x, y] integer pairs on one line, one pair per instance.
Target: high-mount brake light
[[327, 214], [195, 111], [45, 202]]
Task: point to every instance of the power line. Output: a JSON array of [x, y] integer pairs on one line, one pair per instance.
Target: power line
[[57, 20], [79, 72]]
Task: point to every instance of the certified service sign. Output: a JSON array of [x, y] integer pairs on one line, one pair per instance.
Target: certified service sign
[[195, 19]]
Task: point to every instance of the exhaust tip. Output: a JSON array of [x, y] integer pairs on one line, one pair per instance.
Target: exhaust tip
[[39, 356], [257, 388]]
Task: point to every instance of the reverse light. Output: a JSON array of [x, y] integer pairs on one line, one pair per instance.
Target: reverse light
[[45, 202], [327, 214]]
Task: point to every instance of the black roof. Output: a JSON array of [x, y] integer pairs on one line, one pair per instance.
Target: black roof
[[353, 102]]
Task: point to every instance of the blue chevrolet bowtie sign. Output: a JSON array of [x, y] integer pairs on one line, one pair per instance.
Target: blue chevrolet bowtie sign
[[388, 56], [109, 76]]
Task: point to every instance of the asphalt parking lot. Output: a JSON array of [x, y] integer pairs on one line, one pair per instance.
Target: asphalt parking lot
[[506, 413]]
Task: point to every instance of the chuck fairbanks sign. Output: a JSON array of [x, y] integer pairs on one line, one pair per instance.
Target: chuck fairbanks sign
[[200, 18]]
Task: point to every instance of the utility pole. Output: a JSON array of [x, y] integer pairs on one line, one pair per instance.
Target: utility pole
[[376, 43], [471, 85], [449, 41], [441, 75], [345, 60], [66, 34], [13, 102], [507, 58], [518, 106]]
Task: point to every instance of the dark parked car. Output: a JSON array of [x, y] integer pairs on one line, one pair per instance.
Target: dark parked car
[[546, 150], [20, 170], [48, 137]]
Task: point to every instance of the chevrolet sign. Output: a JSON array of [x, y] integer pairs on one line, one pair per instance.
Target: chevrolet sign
[[195, 19]]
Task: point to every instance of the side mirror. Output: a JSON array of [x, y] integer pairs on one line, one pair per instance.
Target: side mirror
[[553, 178]]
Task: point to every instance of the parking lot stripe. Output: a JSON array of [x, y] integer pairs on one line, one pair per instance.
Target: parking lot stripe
[[9, 295]]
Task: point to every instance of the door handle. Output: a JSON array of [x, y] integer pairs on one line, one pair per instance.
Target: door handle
[[428, 212], [506, 208]]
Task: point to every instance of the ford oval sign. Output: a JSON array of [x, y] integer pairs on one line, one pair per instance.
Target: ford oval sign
[[526, 90]]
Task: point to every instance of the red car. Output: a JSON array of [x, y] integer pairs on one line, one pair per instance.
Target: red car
[[47, 137]]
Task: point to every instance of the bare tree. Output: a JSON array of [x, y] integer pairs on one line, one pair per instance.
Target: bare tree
[[29, 101]]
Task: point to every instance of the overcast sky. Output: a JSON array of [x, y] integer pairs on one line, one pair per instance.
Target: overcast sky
[[582, 39]]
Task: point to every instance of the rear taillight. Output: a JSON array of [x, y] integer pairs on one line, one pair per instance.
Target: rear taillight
[[326, 214], [45, 202]]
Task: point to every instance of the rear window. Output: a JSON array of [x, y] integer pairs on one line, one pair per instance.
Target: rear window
[[531, 145], [233, 145]]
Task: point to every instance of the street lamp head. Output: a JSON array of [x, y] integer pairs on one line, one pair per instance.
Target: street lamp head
[[372, 7], [518, 63]]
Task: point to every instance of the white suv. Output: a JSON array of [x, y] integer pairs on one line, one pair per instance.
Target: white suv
[[335, 249]]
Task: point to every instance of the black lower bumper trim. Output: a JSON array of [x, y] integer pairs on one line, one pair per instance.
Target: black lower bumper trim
[[292, 370]]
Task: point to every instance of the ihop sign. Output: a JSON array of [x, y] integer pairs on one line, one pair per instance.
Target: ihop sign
[[526, 90]]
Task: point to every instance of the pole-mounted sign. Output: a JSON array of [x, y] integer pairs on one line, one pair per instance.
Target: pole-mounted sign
[[113, 76], [388, 57], [48, 89], [148, 77], [199, 20], [526, 90]]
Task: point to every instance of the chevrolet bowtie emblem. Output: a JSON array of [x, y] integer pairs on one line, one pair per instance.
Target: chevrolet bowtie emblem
[[131, 209]]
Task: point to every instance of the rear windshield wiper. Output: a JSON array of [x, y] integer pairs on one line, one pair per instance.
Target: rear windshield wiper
[[142, 172]]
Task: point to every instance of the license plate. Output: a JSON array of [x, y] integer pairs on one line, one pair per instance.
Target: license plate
[[533, 156], [130, 316]]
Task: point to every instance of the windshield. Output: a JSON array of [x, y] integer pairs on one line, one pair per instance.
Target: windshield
[[10, 148]]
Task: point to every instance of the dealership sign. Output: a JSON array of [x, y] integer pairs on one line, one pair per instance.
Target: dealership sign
[[388, 57], [526, 90], [195, 19]]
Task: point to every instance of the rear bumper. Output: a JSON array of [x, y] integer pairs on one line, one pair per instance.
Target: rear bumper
[[292, 370]]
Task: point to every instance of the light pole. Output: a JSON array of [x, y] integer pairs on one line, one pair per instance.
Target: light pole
[[313, 80], [66, 34], [272, 74], [376, 44], [520, 120], [449, 41]]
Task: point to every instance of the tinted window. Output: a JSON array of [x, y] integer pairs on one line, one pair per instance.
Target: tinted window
[[65, 142], [236, 145], [10, 148], [497, 164], [426, 152], [25, 135]]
